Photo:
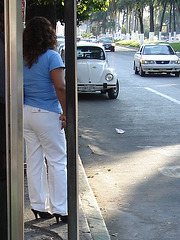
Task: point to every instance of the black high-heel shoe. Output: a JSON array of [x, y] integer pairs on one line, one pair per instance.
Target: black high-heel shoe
[[63, 218], [46, 215]]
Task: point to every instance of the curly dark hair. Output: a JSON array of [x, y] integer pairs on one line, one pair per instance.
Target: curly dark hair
[[38, 37]]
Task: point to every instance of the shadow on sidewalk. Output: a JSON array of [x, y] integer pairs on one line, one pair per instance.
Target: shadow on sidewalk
[[48, 229]]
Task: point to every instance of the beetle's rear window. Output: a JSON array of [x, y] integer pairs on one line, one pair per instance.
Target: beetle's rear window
[[90, 52]]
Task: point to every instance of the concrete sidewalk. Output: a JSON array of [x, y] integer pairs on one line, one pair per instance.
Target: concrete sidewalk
[[91, 223]]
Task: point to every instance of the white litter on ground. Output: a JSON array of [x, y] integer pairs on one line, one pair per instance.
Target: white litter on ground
[[119, 131]]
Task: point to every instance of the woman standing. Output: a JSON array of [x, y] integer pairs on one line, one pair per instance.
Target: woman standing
[[44, 120]]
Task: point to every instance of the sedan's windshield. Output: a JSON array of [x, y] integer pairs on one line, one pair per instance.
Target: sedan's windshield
[[158, 50], [106, 40], [90, 52]]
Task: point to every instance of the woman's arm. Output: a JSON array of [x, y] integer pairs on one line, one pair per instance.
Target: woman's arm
[[57, 76]]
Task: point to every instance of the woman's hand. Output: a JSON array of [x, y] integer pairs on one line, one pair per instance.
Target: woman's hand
[[63, 120]]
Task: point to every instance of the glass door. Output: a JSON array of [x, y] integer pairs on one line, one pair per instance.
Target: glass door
[[11, 137], [3, 169]]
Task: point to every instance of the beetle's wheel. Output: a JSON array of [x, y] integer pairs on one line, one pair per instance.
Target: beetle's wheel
[[113, 92]]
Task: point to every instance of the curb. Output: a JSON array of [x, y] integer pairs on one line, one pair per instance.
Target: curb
[[91, 222], [91, 209], [128, 47]]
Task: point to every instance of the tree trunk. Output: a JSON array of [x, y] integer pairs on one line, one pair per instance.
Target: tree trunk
[[151, 7], [104, 26], [127, 21], [136, 23], [170, 22], [151, 33], [140, 15], [123, 20], [170, 18], [162, 17], [174, 17], [133, 34], [174, 21], [127, 25], [130, 16]]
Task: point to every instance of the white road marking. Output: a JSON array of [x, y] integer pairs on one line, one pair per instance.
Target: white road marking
[[171, 171], [163, 95]]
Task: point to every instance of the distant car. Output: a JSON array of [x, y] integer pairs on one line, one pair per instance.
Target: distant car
[[93, 39], [156, 58], [89, 40], [61, 43], [108, 43], [60, 40], [93, 71], [174, 39]]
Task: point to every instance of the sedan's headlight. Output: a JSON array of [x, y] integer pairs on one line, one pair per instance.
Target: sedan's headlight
[[143, 61], [109, 77], [175, 61]]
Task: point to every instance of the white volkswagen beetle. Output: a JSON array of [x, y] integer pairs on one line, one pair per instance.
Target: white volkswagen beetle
[[93, 71]]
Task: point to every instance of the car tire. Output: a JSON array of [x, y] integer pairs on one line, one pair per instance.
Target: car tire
[[141, 72], [113, 92], [135, 69], [177, 74]]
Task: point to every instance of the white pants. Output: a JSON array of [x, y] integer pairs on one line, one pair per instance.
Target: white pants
[[44, 138]]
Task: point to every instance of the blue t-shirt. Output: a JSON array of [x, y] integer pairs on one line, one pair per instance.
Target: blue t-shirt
[[39, 89]]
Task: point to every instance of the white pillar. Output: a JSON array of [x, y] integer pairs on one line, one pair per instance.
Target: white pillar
[[127, 36], [133, 36], [151, 36], [137, 35], [169, 37], [141, 38], [159, 36]]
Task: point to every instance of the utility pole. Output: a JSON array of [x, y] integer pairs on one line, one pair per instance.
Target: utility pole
[[72, 119]]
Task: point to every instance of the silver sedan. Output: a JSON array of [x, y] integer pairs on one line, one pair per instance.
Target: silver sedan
[[156, 58]]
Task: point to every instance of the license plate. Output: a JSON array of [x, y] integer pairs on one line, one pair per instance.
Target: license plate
[[89, 88]]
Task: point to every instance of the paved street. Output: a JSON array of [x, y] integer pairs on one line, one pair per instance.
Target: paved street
[[135, 175]]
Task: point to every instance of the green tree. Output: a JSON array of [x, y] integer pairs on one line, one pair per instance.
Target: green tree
[[54, 9], [132, 12]]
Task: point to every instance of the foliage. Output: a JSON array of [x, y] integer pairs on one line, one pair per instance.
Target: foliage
[[156, 13], [129, 43], [103, 14], [86, 35], [176, 46], [123, 30], [84, 7], [102, 22], [136, 44]]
